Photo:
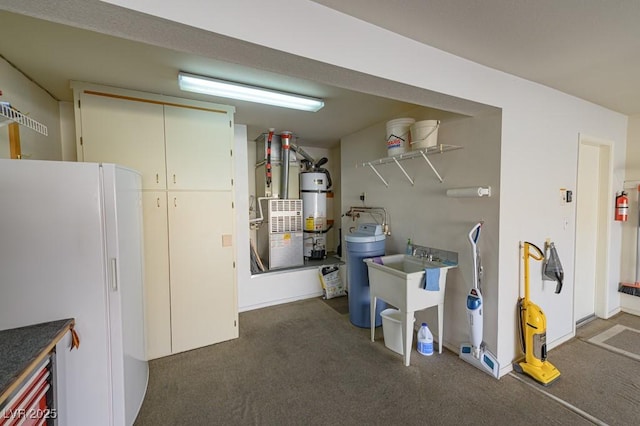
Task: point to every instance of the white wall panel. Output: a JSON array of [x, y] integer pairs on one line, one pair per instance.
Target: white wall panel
[[540, 126]]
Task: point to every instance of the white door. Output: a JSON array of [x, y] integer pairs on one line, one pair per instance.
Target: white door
[[124, 132], [591, 226], [586, 231], [129, 271], [156, 255], [198, 144], [203, 288]]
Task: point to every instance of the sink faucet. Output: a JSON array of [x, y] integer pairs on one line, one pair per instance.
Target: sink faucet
[[422, 253]]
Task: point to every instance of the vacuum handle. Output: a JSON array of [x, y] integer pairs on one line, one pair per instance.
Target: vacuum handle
[[473, 238], [528, 253]]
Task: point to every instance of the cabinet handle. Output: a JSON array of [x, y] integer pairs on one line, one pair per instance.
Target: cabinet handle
[[158, 201], [174, 178], [175, 202], [157, 178]]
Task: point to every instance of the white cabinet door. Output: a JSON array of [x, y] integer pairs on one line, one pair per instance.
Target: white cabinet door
[[198, 144], [156, 272], [130, 133], [203, 288], [190, 288]]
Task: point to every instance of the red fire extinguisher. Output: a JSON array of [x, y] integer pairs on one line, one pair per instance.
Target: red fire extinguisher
[[622, 207]]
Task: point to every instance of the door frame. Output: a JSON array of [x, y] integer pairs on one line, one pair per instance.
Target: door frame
[[605, 210]]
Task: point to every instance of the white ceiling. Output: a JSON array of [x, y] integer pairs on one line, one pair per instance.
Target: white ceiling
[[587, 48]]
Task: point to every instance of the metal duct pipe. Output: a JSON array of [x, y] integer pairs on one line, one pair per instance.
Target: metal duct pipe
[[285, 139], [304, 153]]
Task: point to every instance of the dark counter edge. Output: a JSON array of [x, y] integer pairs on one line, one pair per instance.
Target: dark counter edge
[[23, 348]]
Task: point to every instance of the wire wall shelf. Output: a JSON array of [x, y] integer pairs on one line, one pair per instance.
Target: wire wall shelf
[[424, 153], [8, 114]]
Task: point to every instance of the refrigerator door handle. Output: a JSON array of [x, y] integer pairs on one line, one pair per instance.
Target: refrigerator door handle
[[114, 274]]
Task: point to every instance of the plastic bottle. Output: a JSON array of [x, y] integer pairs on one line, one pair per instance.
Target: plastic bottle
[[409, 250], [425, 340]]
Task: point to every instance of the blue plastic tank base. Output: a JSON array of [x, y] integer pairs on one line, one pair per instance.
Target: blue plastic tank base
[[360, 309], [359, 304]]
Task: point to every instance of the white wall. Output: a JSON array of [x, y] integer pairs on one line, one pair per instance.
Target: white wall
[[31, 100], [425, 214], [540, 128], [241, 183], [629, 231], [68, 132], [633, 149]]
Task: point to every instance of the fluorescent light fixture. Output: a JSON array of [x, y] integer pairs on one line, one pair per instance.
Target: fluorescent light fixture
[[243, 92]]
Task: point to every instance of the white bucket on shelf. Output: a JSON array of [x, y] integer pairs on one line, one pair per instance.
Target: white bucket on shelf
[[398, 135], [424, 134]]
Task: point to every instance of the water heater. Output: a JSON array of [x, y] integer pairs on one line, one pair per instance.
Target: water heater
[[313, 191]]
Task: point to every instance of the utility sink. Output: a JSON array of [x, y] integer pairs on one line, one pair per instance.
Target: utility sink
[[402, 265], [399, 280]]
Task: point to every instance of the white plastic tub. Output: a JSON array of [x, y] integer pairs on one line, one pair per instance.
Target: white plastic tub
[[392, 329]]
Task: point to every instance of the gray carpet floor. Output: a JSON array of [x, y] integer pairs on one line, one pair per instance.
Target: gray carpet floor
[[304, 363]]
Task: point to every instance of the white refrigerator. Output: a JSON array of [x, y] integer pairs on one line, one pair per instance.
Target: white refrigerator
[[71, 247]]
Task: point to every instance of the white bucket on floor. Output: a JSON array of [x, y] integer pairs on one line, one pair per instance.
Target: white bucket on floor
[[424, 134], [398, 135], [392, 330]]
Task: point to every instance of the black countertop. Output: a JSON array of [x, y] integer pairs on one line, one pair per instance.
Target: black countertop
[[22, 348]]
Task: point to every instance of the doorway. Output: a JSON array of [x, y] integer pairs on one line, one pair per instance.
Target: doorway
[[592, 227]]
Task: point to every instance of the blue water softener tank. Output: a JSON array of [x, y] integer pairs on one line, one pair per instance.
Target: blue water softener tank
[[367, 241]]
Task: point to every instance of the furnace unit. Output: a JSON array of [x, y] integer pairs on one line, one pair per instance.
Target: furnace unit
[[285, 233]]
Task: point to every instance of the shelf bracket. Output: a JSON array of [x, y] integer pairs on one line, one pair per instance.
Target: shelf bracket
[[431, 165], [403, 170], [379, 175]]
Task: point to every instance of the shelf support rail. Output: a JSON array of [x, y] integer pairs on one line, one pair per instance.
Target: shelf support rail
[[430, 165], [403, 170], [379, 175]]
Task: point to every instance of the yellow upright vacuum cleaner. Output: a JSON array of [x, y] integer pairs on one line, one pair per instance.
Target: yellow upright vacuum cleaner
[[533, 331]]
